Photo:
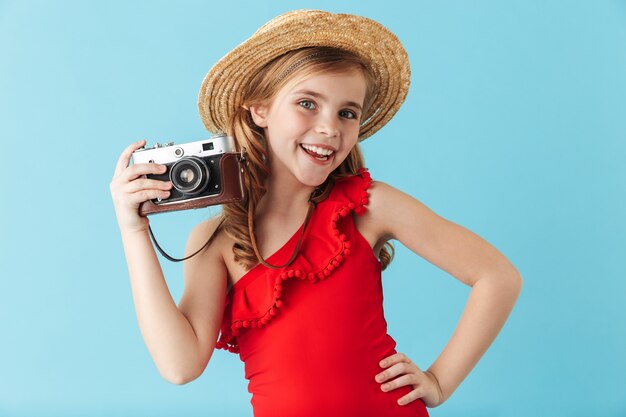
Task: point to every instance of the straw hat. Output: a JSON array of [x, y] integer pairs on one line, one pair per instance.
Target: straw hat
[[222, 89]]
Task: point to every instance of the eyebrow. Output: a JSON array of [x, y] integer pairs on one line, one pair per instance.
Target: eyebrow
[[321, 96]]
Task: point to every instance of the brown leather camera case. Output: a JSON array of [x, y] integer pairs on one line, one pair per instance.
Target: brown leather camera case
[[232, 190]]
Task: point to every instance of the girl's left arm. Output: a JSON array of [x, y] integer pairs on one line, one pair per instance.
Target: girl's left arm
[[495, 282]]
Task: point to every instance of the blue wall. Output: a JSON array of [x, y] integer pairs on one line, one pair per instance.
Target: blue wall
[[514, 128]]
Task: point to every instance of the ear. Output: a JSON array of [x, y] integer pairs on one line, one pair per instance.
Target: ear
[[259, 115]]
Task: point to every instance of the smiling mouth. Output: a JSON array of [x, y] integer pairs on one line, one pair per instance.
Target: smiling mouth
[[316, 152]]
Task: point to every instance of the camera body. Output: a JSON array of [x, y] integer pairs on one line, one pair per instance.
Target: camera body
[[203, 173]]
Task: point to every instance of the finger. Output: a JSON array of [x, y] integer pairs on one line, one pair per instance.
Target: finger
[[395, 370], [410, 397], [395, 358], [147, 184], [138, 170], [124, 158], [391, 372], [145, 195], [401, 381]]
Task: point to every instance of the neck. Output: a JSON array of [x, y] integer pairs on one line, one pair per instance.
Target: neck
[[285, 197]]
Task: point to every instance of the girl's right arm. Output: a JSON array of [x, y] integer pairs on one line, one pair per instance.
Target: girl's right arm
[[180, 340]]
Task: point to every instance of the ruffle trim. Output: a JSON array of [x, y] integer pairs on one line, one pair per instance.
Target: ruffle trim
[[228, 337]]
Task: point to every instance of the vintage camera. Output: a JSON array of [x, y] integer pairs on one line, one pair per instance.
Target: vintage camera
[[203, 173]]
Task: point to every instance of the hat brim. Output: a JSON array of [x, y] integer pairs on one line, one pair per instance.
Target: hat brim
[[221, 92]]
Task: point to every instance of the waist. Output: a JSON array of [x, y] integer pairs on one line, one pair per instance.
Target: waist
[[323, 381], [337, 394], [314, 371]]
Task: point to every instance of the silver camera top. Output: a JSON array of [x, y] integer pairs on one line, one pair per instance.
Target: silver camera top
[[169, 152]]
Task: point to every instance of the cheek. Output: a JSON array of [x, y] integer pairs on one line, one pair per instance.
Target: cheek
[[289, 118], [357, 129], [348, 146], [354, 135], [351, 130], [297, 120]]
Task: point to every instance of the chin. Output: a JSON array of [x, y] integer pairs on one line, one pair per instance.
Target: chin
[[313, 179]]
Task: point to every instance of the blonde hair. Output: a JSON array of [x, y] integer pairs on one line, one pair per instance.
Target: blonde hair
[[262, 89]]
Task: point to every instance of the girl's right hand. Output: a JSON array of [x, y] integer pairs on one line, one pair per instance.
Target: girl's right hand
[[128, 190]]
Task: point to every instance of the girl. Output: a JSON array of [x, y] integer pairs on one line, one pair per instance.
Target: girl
[[292, 278]]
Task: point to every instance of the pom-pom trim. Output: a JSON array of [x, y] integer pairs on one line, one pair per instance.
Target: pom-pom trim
[[228, 341]]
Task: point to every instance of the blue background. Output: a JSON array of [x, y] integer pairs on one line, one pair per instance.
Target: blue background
[[514, 127]]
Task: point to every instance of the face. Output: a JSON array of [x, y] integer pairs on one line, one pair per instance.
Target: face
[[312, 124]]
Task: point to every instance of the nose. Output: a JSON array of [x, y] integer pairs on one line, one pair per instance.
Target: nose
[[327, 124]]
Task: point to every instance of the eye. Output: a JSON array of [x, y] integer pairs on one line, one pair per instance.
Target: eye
[[348, 114], [307, 104]]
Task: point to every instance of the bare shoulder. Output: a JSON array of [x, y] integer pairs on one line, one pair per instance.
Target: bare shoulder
[[447, 245], [201, 233], [389, 207], [382, 209], [210, 258], [208, 264]]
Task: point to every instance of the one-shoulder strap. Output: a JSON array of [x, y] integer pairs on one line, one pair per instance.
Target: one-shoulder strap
[[319, 194], [254, 302]]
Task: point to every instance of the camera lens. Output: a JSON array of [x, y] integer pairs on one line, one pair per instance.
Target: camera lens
[[189, 175]]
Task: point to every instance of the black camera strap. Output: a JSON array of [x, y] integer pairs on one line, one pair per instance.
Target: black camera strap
[[187, 257], [243, 161]]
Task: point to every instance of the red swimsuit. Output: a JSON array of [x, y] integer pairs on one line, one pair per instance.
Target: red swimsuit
[[311, 335]]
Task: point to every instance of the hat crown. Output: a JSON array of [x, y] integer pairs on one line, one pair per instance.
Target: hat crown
[[221, 93]]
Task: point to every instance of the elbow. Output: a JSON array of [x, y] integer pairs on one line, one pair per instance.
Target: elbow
[[181, 375], [517, 282], [509, 283], [512, 278], [520, 283], [179, 378], [514, 283]]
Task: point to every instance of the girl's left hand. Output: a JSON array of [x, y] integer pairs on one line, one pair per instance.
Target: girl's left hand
[[424, 386]]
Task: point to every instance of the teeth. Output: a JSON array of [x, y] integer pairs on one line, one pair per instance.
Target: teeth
[[317, 150]]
